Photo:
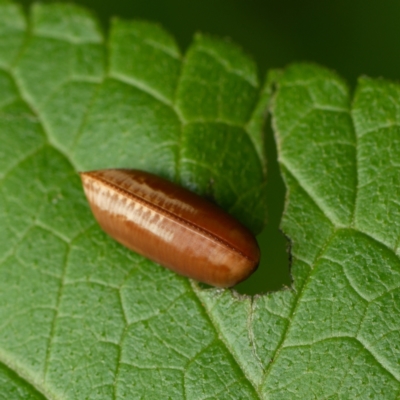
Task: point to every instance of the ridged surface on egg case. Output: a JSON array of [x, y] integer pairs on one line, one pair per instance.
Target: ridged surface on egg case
[[171, 225]]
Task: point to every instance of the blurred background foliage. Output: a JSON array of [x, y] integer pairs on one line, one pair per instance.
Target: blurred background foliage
[[357, 37]]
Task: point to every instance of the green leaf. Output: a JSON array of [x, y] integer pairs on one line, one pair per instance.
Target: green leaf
[[82, 317], [340, 166]]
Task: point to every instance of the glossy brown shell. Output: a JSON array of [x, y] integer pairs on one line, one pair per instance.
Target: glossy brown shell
[[171, 226]]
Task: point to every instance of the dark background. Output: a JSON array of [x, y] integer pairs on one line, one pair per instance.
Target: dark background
[[353, 37]]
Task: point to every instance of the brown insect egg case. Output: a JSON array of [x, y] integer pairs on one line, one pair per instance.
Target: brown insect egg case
[[171, 226]]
